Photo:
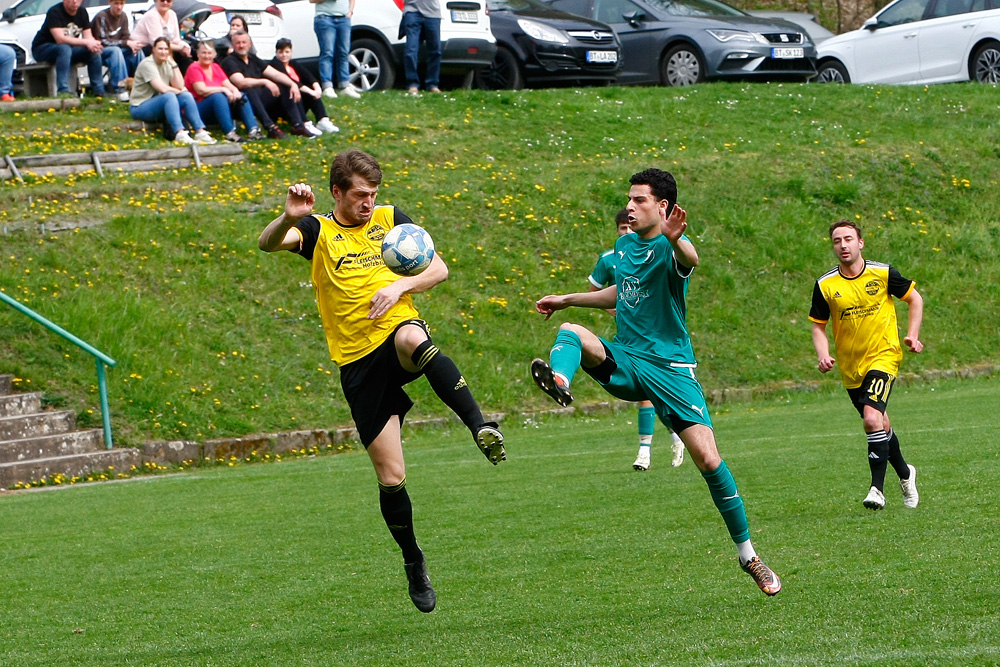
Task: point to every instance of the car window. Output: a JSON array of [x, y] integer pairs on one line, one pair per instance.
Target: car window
[[949, 8], [904, 11], [578, 7], [614, 11], [515, 5], [34, 7], [696, 8]]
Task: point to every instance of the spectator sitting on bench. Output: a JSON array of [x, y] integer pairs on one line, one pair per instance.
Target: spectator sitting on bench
[[8, 59], [65, 39], [110, 26], [218, 99], [161, 21], [312, 94], [158, 95]]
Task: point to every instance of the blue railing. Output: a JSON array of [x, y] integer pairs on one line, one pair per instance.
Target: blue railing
[[102, 359]]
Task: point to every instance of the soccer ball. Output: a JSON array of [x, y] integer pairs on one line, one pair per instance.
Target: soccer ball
[[407, 249]]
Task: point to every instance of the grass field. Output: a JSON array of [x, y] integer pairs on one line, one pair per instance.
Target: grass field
[[560, 556]]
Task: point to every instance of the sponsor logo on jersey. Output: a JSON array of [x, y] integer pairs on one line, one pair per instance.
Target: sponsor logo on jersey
[[354, 260], [376, 232], [631, 292], [873, 287], [858, 312]]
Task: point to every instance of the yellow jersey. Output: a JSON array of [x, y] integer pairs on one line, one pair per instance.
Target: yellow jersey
[[864, 318], [347, 270]]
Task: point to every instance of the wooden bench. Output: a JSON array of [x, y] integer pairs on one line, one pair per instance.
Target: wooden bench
[[180, 157], [40, 79]]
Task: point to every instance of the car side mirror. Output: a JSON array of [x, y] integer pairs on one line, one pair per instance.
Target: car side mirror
[[634, 18], [8, 15], [870, 24]]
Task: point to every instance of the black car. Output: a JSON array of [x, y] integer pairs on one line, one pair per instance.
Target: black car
[[681, 42], [537, 44]]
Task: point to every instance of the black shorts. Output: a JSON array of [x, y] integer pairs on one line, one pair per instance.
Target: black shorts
[[373, 387], [874, 391]]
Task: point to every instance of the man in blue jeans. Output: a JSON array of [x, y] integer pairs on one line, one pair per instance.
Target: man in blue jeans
[[422, 19], [8, 60], [332, 25], [65, 39]]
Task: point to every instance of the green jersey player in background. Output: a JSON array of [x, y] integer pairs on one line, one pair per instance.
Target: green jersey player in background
[[602, 276], [651, 356]]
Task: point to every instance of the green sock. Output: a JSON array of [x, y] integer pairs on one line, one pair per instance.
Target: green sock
[[727, 499], [647, 421], [566, 354]]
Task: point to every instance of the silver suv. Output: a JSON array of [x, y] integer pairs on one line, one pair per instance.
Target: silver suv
[[376, 61]]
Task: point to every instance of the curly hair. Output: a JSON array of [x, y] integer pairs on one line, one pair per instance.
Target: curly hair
[[661, 182]]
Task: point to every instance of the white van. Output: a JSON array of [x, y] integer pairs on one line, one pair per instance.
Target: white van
[[376, 61]]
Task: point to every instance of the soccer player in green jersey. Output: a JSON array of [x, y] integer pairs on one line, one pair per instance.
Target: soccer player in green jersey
[[651, 356], [857, 295], [602, 276]]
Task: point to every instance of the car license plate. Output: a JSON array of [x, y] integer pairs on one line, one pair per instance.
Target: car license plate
[[252, 18], [788, 52], [464, 17], [602, 56]]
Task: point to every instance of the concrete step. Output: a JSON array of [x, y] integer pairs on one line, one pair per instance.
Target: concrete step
[[42, 423], [6, 382], [16, 405], [76, 465], [49, 446]]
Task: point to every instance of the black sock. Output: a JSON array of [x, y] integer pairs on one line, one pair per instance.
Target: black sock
[[896, 457], [398, 514], [878, 455], [448, 383]]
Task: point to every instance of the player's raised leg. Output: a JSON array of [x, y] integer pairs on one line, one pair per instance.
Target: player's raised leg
[[418, 354], [386, 454], [574, 345], [700, 442]]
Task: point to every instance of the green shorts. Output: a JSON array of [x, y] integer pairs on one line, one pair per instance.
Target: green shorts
[[671, 387]]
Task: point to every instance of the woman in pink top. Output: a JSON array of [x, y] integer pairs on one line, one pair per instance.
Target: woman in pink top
[[162, 22], [217, 97]]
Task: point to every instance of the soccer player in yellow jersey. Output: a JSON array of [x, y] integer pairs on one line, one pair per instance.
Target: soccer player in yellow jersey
[[857, 296], [375, 335]]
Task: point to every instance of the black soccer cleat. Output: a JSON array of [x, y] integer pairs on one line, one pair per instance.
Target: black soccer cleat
[[546, 380], [421, 592], [490, 441]]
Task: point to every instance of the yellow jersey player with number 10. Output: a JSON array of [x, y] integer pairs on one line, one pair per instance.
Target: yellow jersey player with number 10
[[857, 296]]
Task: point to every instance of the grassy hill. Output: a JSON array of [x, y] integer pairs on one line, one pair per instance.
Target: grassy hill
[[215, 338]]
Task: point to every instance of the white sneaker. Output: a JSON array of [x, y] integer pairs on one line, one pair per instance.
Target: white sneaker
[[203, 137], [642, 460], [909, 488], [316, 132], [350, 91], [874, 500], [327, 126], [677, 449], [182, 137], [123, 96], [329, 92]]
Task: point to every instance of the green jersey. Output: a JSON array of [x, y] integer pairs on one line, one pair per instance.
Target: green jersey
[[604, 271], [651, 311]]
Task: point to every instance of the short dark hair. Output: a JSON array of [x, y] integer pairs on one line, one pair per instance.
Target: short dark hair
[[283, 43], [621, 216], [161, 38], [844, 222], [240, 17], [351, 162], [661, 182]]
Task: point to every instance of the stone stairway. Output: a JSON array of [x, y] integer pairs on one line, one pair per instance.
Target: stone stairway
[[36, 443]]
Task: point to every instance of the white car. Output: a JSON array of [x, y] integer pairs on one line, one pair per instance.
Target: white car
[[376, 58], [918, 42], [264, 22]]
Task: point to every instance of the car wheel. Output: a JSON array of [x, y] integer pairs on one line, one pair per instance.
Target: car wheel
[[504, 73], [682, 66], [985, 67], [832, 71], [370, 66]]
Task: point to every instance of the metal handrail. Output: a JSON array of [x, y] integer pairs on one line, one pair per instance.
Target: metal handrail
[[102, 359]]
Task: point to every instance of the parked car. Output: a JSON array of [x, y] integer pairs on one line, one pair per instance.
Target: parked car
[[918, 41], [376, 60], [681, 42], [817, 33], [264, 22], [537, 44]]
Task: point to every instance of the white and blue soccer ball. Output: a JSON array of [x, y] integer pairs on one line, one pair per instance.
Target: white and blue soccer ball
[[407, 249]]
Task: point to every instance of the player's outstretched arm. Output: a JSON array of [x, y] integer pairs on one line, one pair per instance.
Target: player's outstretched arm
[[822, 345], [916, 304], [278, 235], [673, 227], [386, 298], [605, 298]]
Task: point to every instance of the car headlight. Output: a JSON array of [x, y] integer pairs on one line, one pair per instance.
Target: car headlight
[[737, 36], [542, 32]]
